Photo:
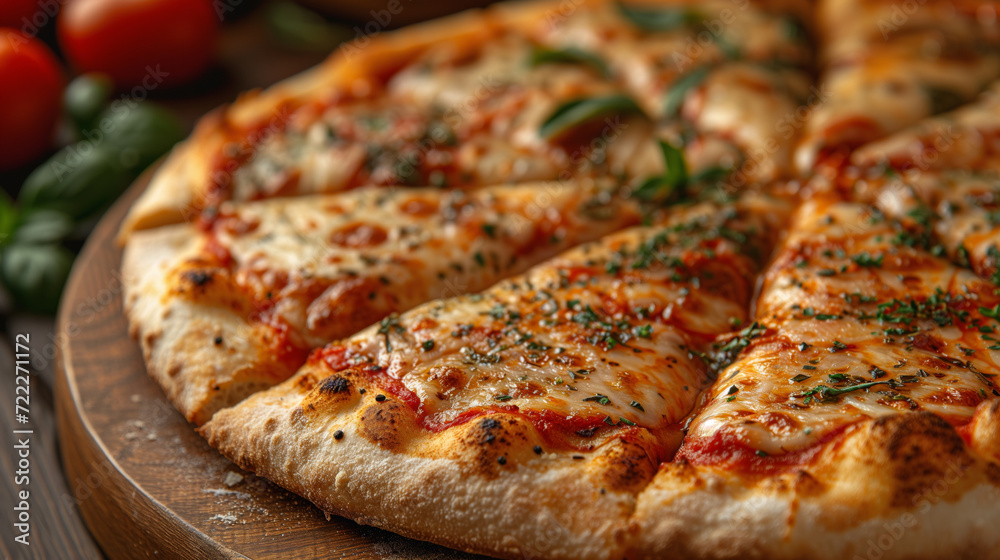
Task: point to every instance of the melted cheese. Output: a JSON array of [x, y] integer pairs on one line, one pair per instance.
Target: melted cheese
[[607, 333], [895, 85], [463, 114], [967, 138], [330, 265], [846, 306]]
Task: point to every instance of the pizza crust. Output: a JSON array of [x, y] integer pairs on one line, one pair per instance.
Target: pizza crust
[[204, 357], [448, 487], [901, 486]]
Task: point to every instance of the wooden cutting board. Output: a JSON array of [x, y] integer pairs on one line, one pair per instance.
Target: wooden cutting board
[[145, 483]]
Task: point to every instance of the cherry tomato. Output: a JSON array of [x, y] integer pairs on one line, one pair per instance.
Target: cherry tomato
[[13, 12], [147, 43], [31, 84]]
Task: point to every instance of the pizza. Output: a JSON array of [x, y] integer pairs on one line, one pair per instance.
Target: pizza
[[604, 279], [886, 68], [225, 310]]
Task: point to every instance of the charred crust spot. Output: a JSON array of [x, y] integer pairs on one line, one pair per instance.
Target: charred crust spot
[[327, 394], [587, 432], [333, 385], [920, 450], [488, 444], [218, 340], [627, 467], [197, 278], [806, 484], [271, 424], [381, 424], [306, 383]]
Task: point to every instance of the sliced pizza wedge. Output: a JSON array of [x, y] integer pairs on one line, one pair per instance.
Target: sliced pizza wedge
[[531, 93], [877, 81], [521, 421], [944, 173], [235, 305], [967, 138], [860, 409]]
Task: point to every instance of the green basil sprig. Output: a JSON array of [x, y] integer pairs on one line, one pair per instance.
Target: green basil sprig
[[672, 183], [85, 98], [678, 91], [574, 113], [661, 18], [35, 274], [570, 55], [73, 187]]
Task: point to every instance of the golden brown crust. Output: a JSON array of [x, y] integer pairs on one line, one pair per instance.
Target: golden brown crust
[[205, 357], [902, 486], [480, 486]]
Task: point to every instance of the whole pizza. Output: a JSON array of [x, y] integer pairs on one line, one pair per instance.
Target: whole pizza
[[605, 279]]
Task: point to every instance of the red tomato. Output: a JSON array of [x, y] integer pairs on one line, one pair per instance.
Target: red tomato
[[148, 43], [13, 12], [31, 85]]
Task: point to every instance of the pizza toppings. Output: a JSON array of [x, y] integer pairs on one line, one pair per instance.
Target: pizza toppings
[[912, 333], [572, 344]]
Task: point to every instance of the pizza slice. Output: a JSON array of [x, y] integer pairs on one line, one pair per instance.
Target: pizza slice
[[877, 81], [861, 408], [943, 173], [503, 95], [235, 305], [967, 138], [523, 420]]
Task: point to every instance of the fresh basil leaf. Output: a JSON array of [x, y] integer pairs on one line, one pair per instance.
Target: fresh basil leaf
[[43, 226], [677, 92], [570, 55], [794, 30], [35, 274], [78, 180], [712, 174], [301, 28], [8, 218], [140, 133], [672, 183], [580, 111], [942, 99], [676, 171], [85, 98], [659, 18], [729, 49]]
